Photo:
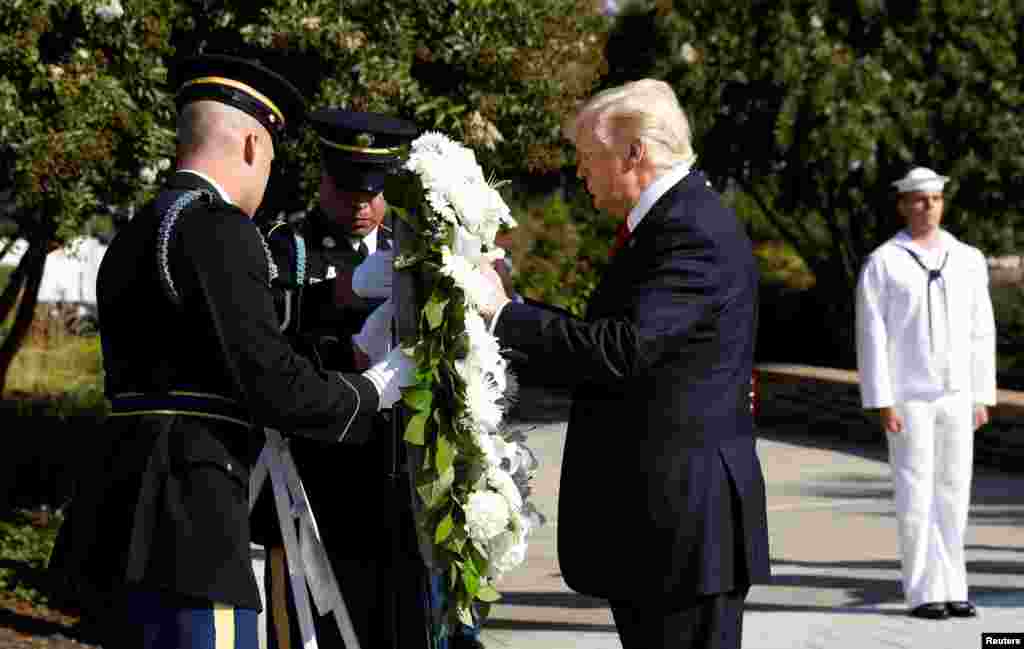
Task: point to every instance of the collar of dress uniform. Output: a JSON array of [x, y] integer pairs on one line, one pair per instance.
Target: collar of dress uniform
[[370, 240], [213, 183], [656, 190], [319, 228], [946, 241]]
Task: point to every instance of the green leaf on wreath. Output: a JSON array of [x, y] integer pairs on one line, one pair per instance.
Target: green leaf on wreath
[[419, 399], [415, 430], [465, 616], [445, 454], [433, 491], [444, 528], [434, 311], [483, 610], [457, 540], [488, 593], [470, 578]]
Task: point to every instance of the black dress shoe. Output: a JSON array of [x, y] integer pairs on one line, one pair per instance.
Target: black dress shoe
[[931, 611], [961, 609]]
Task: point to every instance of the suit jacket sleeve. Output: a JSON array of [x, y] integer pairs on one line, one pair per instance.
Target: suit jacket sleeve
[[663, 302], [230, 272]]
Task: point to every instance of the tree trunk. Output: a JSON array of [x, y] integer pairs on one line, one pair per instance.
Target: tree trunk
[[14, 283], [30, 276]]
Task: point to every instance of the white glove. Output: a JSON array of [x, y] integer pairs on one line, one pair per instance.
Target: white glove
[[373, 278], [396, 371], [375, 336]]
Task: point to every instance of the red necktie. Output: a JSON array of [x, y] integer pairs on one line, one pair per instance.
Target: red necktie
[[621, 236]]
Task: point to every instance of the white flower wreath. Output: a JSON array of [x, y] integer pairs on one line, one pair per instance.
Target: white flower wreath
[[475, 477]]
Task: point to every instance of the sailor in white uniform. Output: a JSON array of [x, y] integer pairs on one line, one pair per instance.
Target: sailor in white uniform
[[926, 357]]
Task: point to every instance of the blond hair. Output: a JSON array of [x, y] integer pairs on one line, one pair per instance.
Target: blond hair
[[647, 110]]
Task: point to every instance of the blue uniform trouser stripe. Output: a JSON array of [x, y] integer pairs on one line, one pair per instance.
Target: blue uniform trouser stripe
[[160, 621]]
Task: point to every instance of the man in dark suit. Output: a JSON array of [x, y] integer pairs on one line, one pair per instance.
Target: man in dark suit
[[195, 365], [356, 505], [662, 500]]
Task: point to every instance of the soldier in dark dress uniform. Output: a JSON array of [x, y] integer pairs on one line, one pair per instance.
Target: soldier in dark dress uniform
[[195, 365], [356, 504]]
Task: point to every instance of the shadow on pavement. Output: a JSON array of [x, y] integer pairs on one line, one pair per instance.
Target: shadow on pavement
[[555, 599], [757, 607], [995, 548], [541, 625]]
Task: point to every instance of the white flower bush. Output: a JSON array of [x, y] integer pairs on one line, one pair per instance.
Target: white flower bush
[[110, 11]]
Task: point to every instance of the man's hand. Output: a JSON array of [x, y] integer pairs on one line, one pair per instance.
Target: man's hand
[[891, 422], [396, 371], [374, 339], [980, 415], [504, 270], [499, 298]]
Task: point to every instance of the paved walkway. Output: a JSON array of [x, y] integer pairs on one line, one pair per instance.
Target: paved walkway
[[833, 546]]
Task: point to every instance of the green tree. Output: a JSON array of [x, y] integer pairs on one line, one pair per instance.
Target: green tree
[[812, 107], [83, 124], [86, 110]]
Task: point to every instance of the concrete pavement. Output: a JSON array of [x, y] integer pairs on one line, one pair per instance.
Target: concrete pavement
[[833, 545]]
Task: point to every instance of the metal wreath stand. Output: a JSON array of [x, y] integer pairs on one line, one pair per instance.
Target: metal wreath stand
[[306, 557]]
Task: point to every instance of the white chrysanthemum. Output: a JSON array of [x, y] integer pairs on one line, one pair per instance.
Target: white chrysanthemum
[[485, 441], [482, 405], [487, 515], [147, 175], [502, 482], [477, 289], [507, 452], [505, 552], [485, 350], [467, 245], [110, 11], [163, 164], [455, 185]]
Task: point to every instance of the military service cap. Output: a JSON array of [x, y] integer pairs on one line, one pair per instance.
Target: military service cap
[[360, 149], [243, 84]]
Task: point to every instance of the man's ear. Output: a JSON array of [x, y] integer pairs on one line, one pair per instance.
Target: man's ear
[[637, 152]]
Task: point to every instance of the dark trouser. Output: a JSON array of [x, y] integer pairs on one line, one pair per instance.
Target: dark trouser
[[152, 620], [367, 586], [704, 622]]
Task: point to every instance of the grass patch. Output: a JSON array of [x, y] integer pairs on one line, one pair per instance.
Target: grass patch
[[72, 365], [26, 540]]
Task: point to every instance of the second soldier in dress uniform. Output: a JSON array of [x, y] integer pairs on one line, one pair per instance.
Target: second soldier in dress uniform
[[352, 495]]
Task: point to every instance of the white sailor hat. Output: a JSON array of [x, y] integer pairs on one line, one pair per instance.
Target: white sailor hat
[[920, 179]]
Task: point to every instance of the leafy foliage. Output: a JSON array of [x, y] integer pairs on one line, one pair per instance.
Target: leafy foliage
[[82, 108], [87, 117], [559, 249], [810, 108], [25, 545]]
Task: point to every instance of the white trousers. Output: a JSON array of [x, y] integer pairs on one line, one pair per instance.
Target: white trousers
[[931, 462]]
